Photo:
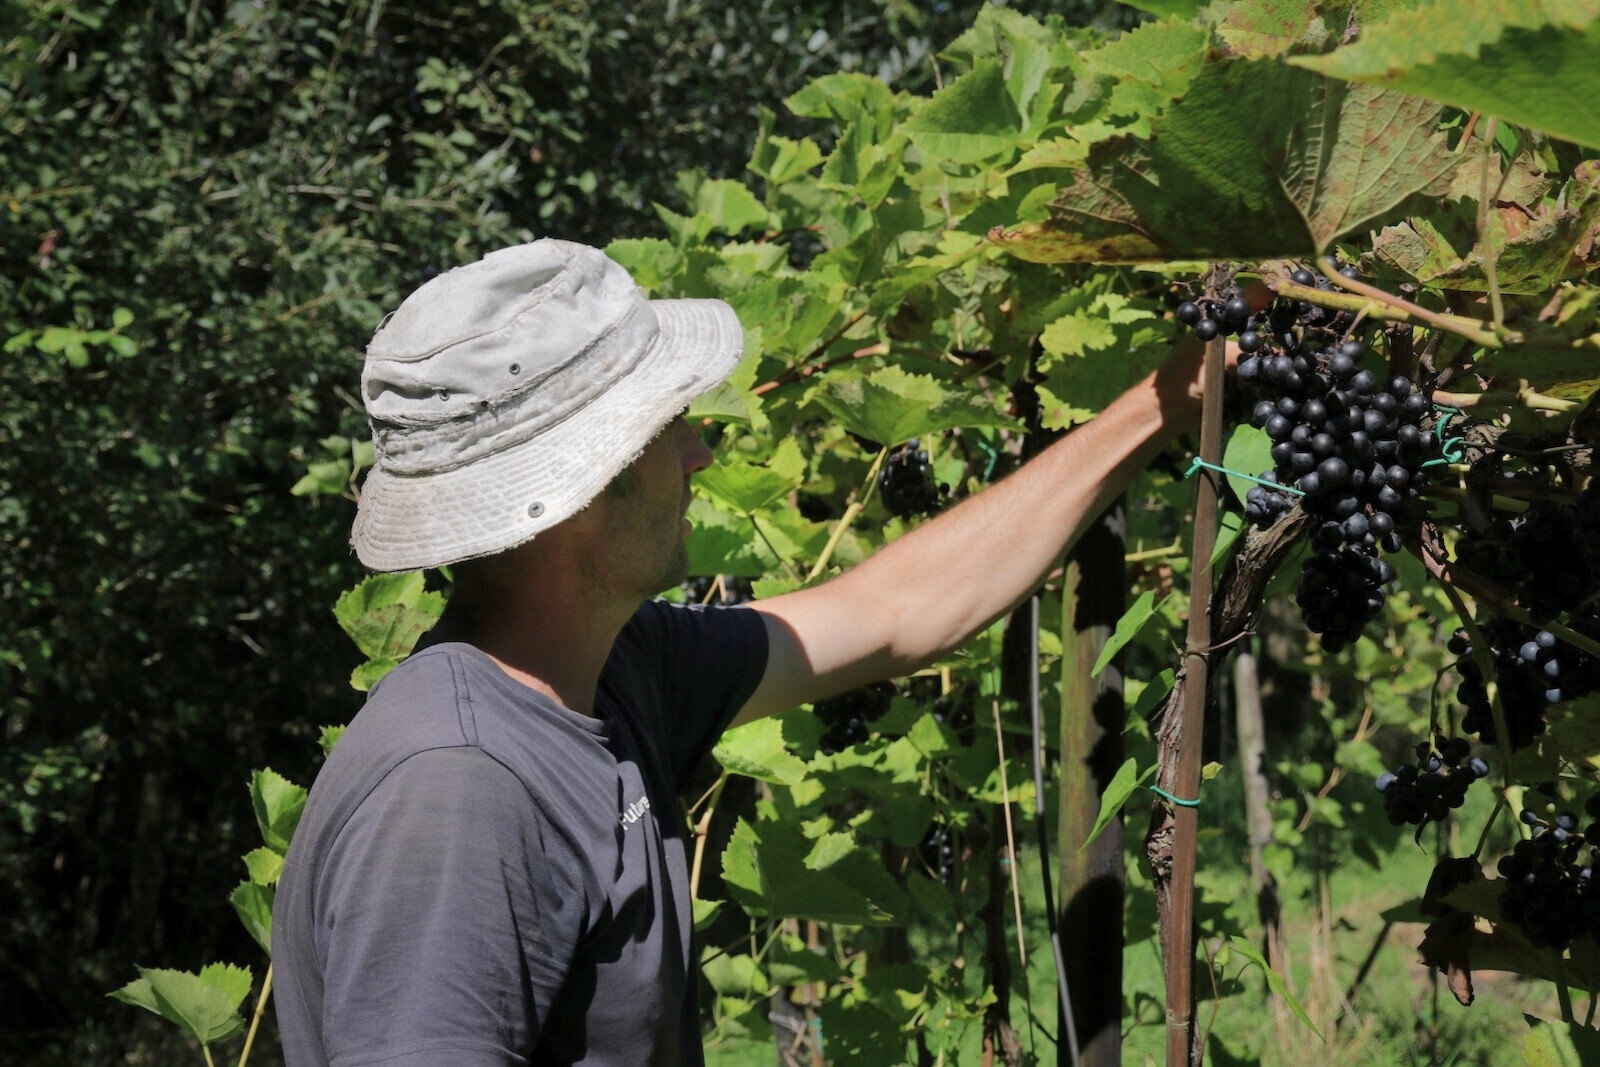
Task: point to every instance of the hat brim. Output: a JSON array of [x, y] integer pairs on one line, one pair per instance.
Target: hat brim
[[505, 499]]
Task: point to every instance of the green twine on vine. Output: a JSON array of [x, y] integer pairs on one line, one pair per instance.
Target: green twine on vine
[[1158, 791], [1198, 463], [1451, 450]]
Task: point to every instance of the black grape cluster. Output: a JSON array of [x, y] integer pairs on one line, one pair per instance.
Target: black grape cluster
[[937, 851], [1539, 555], [1532, 670], [1427, 791], [734, 590], [906, 483], [845, 716], [1549, 891], [1351, 443]]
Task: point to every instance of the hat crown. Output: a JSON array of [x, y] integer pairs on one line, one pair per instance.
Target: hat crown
[[483, 333]]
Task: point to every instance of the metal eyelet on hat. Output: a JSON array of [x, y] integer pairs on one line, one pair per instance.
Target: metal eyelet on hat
[[535, 509], [444, 394], [516, 368]]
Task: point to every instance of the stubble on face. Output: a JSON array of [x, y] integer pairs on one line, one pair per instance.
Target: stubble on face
[[642, 550]]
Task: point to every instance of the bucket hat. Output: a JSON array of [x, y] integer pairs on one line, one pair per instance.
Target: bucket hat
[[505, 394]]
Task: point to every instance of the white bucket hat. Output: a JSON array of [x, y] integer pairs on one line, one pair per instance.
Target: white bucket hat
[[505, 394]]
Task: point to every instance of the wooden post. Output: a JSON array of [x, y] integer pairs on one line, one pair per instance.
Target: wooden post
[[1093, 716], [1171, 842]]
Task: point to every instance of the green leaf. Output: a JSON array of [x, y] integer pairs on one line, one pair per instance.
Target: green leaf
[[1532, 64], [386, 613], [1258, 160], [329, 737], [845, 97], [734, 974], [1081, 375], [1275, 982], [1166, 8], [792, 965], [932, 737], [968, 121], [757, 750], [744, 486], [705, 913], [1272, 27], [778, 159], [277, 803], [730, 206], [325, 478], [1559, 356], [1149, 67], [1229, 527], [253, 904], [1138, 615], [205, 1005], [1117, 791], [1533, 248], [264, 865], [1153, 693], [121, 318], [651, 261], [891, 406], [370, 673], [768, 874], [1555, 1044], [1249, 450]]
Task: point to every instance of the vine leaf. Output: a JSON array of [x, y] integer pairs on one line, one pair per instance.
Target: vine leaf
[[1533, 246], [1275, 981], [971, 120], [277, 803], [1529, 63], [890, 405], [1259, 28], [253, 904], [205, 1005], [769, 873], [1079, 378], [1118, 790], [384, 615], [1552, 1044], [745, 487], [1249, 450], [1258, 161], [1139, 613], [1558, 356], [757, 750], [1148, 67]]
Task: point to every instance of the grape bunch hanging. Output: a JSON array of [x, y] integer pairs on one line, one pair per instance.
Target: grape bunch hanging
[[1428, 790], [845, 717], [1346, 441], [1549, 892], [906, 484]]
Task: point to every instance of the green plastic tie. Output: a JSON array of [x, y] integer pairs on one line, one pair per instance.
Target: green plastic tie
[[1450, 450], [1198, 463], [1158, 791]]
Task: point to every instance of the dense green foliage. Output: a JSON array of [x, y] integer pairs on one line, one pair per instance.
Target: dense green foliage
[[205, 210], [920, 260]]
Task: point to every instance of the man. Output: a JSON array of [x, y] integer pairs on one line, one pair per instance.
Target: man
[[492, 865]]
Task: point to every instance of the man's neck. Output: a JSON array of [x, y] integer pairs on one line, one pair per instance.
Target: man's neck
[[546, 627]]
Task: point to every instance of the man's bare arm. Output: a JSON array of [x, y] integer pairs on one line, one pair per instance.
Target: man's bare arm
[[928, 592]]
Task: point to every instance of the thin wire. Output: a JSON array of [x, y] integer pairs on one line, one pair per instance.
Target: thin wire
[[1038, 818]]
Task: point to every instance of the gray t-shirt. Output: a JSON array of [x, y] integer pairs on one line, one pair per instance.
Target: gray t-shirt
[[483, 876]]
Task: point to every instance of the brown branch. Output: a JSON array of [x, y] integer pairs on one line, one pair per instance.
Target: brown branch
[[805, 368]]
